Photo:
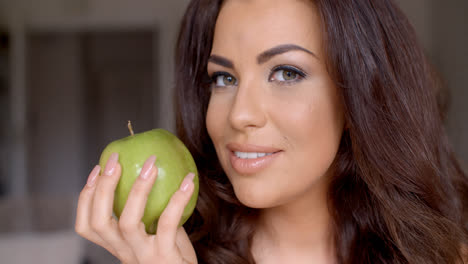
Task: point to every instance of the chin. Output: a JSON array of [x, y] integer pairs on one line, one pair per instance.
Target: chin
[[254, 197]]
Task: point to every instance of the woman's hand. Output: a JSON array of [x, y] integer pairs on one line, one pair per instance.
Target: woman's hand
[[126, 239]]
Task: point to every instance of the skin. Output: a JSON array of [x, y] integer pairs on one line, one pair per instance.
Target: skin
[[300, 115], [126, 239]]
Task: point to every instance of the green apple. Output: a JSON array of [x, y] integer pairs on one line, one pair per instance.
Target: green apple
[[174, 162]]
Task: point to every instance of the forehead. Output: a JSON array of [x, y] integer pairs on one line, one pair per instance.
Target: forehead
[[262, 24]]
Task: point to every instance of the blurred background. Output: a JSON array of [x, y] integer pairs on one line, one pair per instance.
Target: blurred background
[[72, 72]]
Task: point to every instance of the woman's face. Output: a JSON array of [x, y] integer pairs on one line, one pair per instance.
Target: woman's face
[[274, 116]]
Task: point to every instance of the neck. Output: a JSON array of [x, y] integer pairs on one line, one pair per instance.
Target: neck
[[298, 228]]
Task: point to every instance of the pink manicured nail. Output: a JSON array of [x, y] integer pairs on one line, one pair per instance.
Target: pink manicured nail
[[111, 164], [93, 175], [146, 170], [185, 184]]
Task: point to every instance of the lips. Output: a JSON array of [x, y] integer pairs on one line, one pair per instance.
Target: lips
[[251, 148], [248, 161]]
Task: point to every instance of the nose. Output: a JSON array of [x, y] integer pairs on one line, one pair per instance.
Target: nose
[[248, 109]]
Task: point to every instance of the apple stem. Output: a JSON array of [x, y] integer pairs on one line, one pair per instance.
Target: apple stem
[[129, 125]]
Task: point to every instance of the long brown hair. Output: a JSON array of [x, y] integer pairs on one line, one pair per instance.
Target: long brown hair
[[398, 194]]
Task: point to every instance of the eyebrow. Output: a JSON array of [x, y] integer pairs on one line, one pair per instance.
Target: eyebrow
[[268, 54], [221, 61], [262, 57]]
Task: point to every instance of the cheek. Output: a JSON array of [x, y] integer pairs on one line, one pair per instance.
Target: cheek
[[313, 116], [216, 118], [211, 122], [312, 129], [216, 125]]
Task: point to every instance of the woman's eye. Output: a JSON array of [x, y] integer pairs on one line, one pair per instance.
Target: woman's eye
[[223, 79], [286, 74]]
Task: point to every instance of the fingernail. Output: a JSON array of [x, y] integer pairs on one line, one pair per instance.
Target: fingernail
[[185, 184], [146, 170], [111, 164], [93, 175]]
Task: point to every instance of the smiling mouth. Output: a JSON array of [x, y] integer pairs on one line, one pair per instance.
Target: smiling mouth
[[249, 163], [252, 155]]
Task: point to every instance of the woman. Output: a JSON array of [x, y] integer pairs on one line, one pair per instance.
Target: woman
[[318, 137]]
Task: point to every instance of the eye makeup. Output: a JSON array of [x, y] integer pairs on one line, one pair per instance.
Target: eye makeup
[[283, 74], [288, 72]]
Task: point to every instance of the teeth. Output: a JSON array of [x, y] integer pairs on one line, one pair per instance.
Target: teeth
[[250, 155]]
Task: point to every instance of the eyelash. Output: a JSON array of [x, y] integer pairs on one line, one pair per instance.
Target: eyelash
[[215, 76], [300, 75]]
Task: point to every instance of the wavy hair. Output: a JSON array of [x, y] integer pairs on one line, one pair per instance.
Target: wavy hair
[[398, 194]]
